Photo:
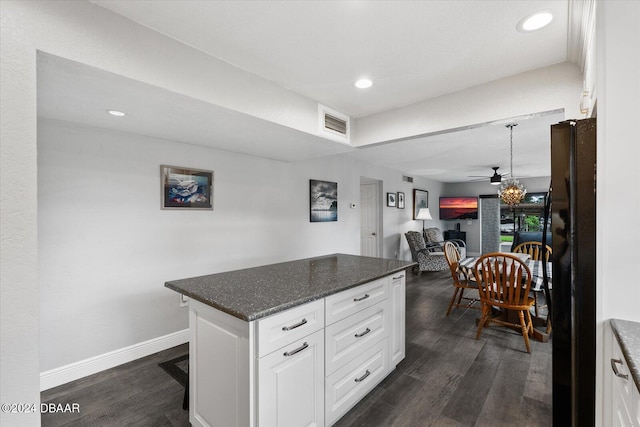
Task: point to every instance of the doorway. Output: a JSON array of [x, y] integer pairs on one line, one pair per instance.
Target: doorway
[[370, 217]]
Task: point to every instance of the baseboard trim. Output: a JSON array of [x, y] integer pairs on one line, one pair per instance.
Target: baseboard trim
[[93, 365]]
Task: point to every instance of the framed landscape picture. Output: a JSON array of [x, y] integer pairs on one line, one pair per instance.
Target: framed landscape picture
[[420, 200], [186, 188], [323, 201]]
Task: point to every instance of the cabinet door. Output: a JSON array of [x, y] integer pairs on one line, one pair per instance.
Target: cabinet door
[[398, 305], [291, 384], [622, 388]]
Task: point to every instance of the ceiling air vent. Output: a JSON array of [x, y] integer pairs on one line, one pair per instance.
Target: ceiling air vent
[[333, 124], [407, 178]]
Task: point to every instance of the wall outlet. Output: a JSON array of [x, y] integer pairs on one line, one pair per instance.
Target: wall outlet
[[184, 300]]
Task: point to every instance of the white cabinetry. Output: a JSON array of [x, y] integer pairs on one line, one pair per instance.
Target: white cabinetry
[[357, 341], [305, 366], [625, 402]]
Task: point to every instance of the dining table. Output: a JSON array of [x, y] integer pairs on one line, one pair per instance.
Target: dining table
[[467, 267]]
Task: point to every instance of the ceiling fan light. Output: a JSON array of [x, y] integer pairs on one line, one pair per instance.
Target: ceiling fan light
[[496, 179], [512, 192]]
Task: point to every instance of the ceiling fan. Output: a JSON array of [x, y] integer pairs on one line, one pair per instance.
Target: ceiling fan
[[494, 179]]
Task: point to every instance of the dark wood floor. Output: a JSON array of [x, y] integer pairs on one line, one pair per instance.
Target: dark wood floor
[[447, 378]]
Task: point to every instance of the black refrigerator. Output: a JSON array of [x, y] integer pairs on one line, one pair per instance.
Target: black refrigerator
[[573, 295]]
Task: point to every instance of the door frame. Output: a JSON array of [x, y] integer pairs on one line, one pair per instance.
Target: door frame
[[377, 207]]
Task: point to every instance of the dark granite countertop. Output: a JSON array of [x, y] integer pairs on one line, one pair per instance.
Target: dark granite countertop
[[252, 293], [628, 335]]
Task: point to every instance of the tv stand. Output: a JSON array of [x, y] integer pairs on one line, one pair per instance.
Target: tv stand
[[453, 234]]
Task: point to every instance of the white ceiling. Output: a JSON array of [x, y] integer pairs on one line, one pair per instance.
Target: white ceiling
[[463, 154], [413, 51], [78, 93]]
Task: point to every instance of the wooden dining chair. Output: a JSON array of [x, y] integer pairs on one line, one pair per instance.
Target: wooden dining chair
[[537, 253], [460, 284], [504, 282], [535, 250]]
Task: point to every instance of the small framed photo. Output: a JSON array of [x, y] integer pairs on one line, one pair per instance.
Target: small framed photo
[[391, 199], [400, 200], [186, 188]]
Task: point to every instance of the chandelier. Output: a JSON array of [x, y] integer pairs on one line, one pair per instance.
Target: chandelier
[[511, 191]]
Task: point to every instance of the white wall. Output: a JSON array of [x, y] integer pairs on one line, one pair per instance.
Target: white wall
[[618, 187], [106, 248], [618, 156]]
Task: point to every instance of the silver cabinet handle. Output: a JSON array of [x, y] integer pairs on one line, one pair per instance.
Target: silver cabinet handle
[[399, 277], [297, 350], [615, 369], [297, 325], [366, 374], [360, 335], [361, 298]]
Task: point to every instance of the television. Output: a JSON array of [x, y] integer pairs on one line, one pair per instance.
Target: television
[[458, 208]]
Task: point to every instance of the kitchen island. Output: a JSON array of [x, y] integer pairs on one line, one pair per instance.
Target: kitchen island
[[296, 343]]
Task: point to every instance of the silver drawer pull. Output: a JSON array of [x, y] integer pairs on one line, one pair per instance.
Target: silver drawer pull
[[360, 335], [399, 277], [297, 325], [361, 298], [615, 369], [297, 350], [366, 374]]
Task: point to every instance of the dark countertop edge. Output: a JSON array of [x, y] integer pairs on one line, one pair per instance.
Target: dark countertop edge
[[632, 358], [281, 307]]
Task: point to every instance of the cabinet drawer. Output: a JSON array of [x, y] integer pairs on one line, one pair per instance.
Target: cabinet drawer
[[283, 328], [349, 384], [346, 303], [351, 336]]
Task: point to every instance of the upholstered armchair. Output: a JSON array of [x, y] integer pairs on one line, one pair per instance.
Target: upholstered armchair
[[428, 258], [433, 238]]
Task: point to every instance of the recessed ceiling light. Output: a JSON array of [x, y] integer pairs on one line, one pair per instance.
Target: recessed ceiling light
[[535, 22], [116, 113], [364, 83]]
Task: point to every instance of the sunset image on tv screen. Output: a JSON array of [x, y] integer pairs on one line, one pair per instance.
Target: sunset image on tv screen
[[458, 208]]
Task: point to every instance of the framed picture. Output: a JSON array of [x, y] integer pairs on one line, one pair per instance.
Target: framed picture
[[400, 200], [420, 200], [184, 188], [391, 199], [323, 201]]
